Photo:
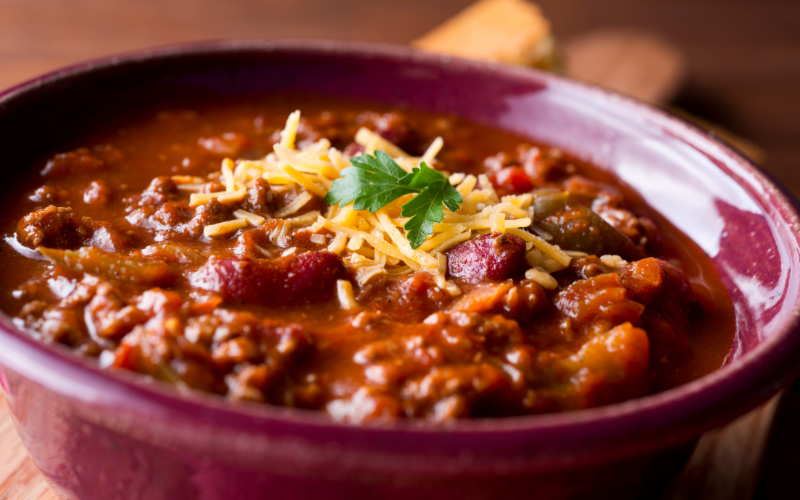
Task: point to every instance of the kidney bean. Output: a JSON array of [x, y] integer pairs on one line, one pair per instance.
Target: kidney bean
[[493, 256], [286, 281]]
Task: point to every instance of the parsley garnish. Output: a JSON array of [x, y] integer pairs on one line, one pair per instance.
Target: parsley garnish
[[375, 181]]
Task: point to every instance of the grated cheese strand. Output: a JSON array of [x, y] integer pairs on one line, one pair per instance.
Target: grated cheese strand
[[337, 244], [250, 217], [197, 199], [224, 227], [498, 222], [423, 258], [514, 211], [289, 132], [456, 178], [467, 185], [432, 151], [452, 241], [293, 206], [379, 245], [344, 291], [366, 273], [373, 142], [191, 187], [187, 179], [355, 243], [303, 180], [551, 250], [306, 161], [227, 175], [442, 263], [306, 219], [435, 241]]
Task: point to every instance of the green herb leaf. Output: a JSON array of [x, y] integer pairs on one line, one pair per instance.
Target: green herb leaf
[[371, 183], [425, 209], [375, 181]]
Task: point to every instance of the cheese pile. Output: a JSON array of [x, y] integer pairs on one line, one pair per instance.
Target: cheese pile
[[375, 243]]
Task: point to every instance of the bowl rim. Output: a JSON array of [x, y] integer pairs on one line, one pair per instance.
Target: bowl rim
[[672, 416]]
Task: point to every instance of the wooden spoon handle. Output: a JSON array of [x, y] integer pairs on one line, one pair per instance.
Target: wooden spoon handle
[[635, 63]]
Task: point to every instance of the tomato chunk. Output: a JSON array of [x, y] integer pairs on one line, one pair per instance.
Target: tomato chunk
[[513, 180]]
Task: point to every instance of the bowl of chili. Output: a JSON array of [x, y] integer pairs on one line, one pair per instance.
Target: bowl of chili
[[99, 433]]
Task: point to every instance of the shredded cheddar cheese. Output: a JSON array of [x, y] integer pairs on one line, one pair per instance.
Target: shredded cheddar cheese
[[306, 219], [250, 217], [338, 243], [187, 179], [224, 227], [318, 239], [294, 206], [227, 175], [197, 199], [372, 142], [303, 180], [344, 290], [290, 132], [373, 244]]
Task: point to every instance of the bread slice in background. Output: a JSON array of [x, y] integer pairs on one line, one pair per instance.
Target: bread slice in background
[[509, 31]]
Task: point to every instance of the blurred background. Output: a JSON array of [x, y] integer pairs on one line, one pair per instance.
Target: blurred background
[[742, 56], [739, 69]]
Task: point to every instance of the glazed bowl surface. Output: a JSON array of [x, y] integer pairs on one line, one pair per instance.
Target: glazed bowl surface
[[100, 435]]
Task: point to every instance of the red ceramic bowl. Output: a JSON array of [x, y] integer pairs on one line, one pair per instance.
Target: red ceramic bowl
[[98, 435]]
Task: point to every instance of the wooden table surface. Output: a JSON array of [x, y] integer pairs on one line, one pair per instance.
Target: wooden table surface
[[743, 56]]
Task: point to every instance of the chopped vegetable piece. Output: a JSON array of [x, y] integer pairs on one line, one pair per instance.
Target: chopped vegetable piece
[[93, 261], [575, 227]]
